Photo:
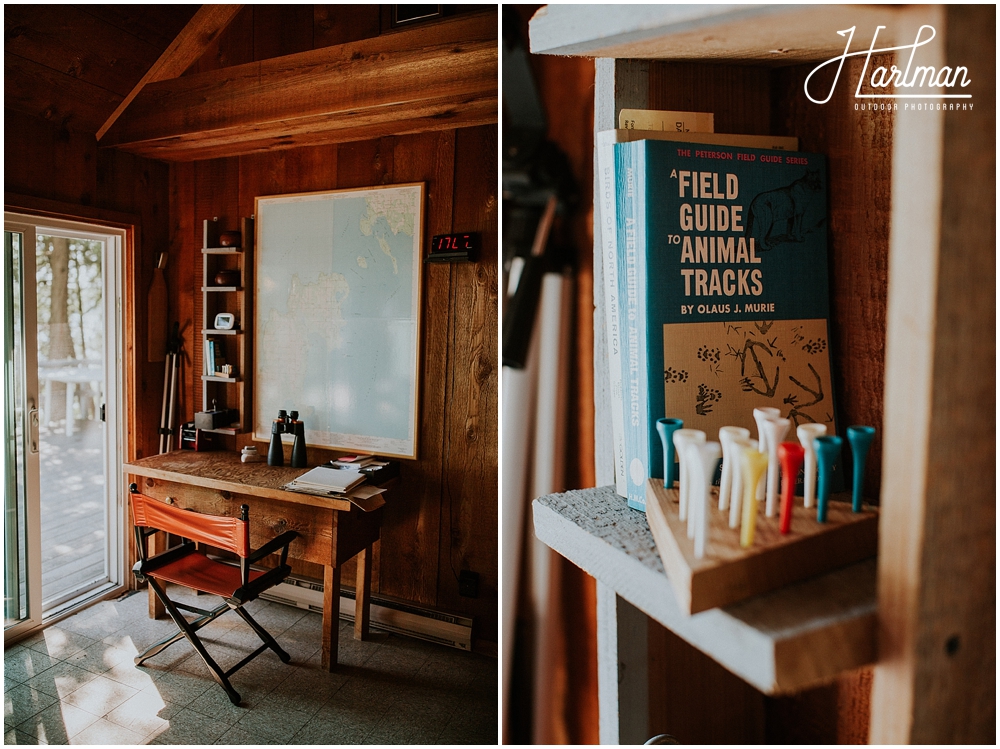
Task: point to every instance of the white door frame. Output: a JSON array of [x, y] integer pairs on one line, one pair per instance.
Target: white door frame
[[115, 408], [28, 366]]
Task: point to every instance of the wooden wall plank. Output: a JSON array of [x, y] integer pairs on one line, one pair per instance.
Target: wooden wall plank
[[136, 185], [683, 704], [470, 490], [281, 30], [339, 24], [46, 160], [45, 93], [75, 43], [365, 163], [739, 95], [858, 147], [156, 25], [183, 280]]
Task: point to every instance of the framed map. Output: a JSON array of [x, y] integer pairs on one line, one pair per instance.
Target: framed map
[[337, 316]]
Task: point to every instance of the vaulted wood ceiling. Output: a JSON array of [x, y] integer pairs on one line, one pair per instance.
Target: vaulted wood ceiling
[[183, 83]]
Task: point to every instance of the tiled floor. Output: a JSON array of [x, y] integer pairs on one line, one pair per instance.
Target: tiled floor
[[75, 683]]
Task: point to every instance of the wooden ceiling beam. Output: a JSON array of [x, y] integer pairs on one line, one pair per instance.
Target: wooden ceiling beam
[[190, 44], [427, 78]]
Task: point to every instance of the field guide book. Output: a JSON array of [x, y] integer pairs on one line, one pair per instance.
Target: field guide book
[[681, 124], [723, 290]]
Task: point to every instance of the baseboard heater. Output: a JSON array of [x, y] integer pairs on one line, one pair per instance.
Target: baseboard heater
[[386, 614]]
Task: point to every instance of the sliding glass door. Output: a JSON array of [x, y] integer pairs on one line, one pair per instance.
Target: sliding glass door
[[22, 549], [63, 417]]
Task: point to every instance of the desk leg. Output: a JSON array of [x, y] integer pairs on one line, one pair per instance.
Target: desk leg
[[157, 543], [363, 594], [331, 616]]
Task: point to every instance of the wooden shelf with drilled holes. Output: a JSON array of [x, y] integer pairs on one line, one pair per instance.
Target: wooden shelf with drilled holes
[[729, 573]]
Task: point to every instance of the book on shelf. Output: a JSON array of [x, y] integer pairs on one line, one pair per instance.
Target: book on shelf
[[658, 119], [214, 359], [722, 287], [628, 119]]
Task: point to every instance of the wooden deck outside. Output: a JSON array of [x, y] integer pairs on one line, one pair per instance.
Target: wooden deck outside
[[73, 508]]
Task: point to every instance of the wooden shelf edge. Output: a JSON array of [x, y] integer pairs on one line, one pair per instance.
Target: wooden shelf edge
[[780, 642], [765, 34], [222, 288], [221, 250], [234, 331], [212, 378]]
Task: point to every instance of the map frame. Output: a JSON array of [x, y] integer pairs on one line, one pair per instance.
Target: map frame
[[264, 210]]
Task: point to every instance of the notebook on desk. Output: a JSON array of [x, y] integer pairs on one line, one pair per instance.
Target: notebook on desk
[[327, 479]]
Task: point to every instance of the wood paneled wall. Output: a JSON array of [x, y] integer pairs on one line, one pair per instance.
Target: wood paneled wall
[[47, 161], [443, 518]]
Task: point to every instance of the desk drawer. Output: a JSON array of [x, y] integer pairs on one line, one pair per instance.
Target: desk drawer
[[268, 517]]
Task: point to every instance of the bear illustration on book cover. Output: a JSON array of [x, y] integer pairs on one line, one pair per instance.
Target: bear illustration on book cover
[[725, 294]]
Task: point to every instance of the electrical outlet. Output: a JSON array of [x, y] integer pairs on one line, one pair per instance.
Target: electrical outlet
[[468, 584]]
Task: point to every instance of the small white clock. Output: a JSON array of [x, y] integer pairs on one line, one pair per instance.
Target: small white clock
[[225, 321]]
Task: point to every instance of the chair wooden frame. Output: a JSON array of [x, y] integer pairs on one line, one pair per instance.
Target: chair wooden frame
[[185, 564]]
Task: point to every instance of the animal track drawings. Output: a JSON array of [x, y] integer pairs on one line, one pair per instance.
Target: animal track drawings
[[716, 373]]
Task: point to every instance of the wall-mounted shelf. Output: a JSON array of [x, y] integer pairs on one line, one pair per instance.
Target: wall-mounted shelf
[[779, 642], [206, 331], [227, 391], [223, 430]]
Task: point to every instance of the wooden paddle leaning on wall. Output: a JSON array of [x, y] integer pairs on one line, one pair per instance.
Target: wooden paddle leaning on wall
[[156, 314]]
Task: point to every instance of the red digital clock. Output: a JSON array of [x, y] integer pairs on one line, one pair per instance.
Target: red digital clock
[[446, 248]]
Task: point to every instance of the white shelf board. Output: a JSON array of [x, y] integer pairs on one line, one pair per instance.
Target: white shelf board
[[781, 642], [771, 34]]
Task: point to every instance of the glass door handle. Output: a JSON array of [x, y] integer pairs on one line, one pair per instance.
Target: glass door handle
[[32, 427]]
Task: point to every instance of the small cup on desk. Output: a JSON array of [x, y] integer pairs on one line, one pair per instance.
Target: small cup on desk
[[250, 455]]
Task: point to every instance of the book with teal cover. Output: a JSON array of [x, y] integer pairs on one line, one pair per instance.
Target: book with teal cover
[[723, 281]]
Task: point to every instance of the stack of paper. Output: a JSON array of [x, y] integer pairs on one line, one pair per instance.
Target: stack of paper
[[327, 480]]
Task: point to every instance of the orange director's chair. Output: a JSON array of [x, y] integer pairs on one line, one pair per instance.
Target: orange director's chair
[[186, 565]]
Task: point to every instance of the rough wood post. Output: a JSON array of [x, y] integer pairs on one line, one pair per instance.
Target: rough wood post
[[623, 689], [935, 678], [622, 671]]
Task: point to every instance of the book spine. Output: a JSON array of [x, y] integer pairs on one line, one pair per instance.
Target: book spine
[[631, 316], [609, 252]]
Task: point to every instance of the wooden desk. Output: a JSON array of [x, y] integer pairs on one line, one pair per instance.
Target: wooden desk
[[331, 531]]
